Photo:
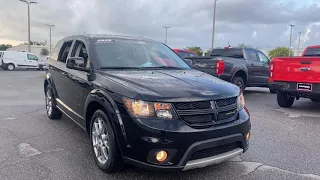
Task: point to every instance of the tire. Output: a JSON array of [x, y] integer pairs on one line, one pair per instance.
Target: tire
[[284, 100], [239, 82], [52, 111], [272, 91], [110, 161], [10, 67], [315, 100]]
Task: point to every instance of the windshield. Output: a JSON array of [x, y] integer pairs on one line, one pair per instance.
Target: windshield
[[123, 53], [312, 52]]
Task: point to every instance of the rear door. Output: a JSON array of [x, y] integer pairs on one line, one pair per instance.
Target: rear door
[[256, 68], [57, 69], [265, 67]]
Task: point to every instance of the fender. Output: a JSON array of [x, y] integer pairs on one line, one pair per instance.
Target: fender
[[237, 69], [104, 99], [49, 80]]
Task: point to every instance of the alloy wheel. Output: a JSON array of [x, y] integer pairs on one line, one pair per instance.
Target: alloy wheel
[[49, 102], [10, 67], [100, 140]]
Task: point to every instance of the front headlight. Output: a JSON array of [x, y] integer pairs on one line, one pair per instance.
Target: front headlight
[[143, 109], [240, 102]]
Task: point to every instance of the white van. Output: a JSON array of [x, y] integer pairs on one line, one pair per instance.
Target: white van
[[11, 60]]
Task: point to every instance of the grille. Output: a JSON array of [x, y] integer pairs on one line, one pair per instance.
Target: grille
[[200, 114], [226, 115], [213, 151], [192, 105], [196, 119], [226, 102]]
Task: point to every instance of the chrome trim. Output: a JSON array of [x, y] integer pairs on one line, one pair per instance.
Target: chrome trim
[[70, 117], [67, 107], [200, 163]]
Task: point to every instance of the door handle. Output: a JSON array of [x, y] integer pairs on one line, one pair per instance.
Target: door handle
[[252, 64]]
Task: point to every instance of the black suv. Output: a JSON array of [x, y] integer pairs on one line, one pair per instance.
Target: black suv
[[142, 104]]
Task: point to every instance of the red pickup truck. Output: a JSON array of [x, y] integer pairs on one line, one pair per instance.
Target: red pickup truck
[[296, 77]]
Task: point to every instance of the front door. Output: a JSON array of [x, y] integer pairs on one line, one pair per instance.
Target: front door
[[32, 61], [78, 84]]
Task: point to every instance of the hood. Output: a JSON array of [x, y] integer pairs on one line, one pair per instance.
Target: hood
[[173, 85]]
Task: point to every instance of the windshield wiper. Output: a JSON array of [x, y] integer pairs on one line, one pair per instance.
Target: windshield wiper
[[161, 67], [120, 67]]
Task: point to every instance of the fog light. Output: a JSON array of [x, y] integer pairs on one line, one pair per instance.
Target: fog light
[[248, 136], [161, 156]]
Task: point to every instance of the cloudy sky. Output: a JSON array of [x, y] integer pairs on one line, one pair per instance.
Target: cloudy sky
[[260, 23]]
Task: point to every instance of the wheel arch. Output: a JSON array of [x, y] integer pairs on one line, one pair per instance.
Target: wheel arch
[[99, 99], [49, 81], [241, 73]]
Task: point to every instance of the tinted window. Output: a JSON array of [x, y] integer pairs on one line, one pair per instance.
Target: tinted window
[[312, 52], [252, 55], [32, 57], [65, 49], [80, 50], [263, 58], [136, 54], [235, 53], [184, 54]]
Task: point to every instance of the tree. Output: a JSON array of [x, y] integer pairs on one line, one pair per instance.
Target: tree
[[4, 47], [44, 52], [242, 45], [279, 52], [195, 49]]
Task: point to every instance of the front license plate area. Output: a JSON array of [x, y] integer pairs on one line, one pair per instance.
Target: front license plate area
[[304, 87]]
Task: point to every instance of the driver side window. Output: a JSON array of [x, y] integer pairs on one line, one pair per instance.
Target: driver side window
[[263, 58], [80, 50], [32, 57]]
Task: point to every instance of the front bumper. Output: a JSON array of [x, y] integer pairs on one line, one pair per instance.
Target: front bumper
[[291, 88], [187, 148]]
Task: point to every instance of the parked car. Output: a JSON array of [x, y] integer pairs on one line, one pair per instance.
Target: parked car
[[11, 60], [296, 77], [245, 67], [185, 53], [138, 110]]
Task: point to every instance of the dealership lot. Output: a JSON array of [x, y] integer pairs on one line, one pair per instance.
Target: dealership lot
[[284, 145]]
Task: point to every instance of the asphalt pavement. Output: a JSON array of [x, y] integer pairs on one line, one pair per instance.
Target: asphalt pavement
[[285, 143]]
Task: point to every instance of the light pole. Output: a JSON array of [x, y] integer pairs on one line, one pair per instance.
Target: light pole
[[166, 27], [28, 3], [291, 25], [299, 43], [214, 22], [50, 26]]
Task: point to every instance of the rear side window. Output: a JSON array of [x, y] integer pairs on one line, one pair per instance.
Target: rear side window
[[64, 52], [235, 53], [312, 52], [184, 54], [252, 55]]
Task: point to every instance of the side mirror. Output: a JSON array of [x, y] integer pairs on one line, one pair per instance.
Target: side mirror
[[77, 63]]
